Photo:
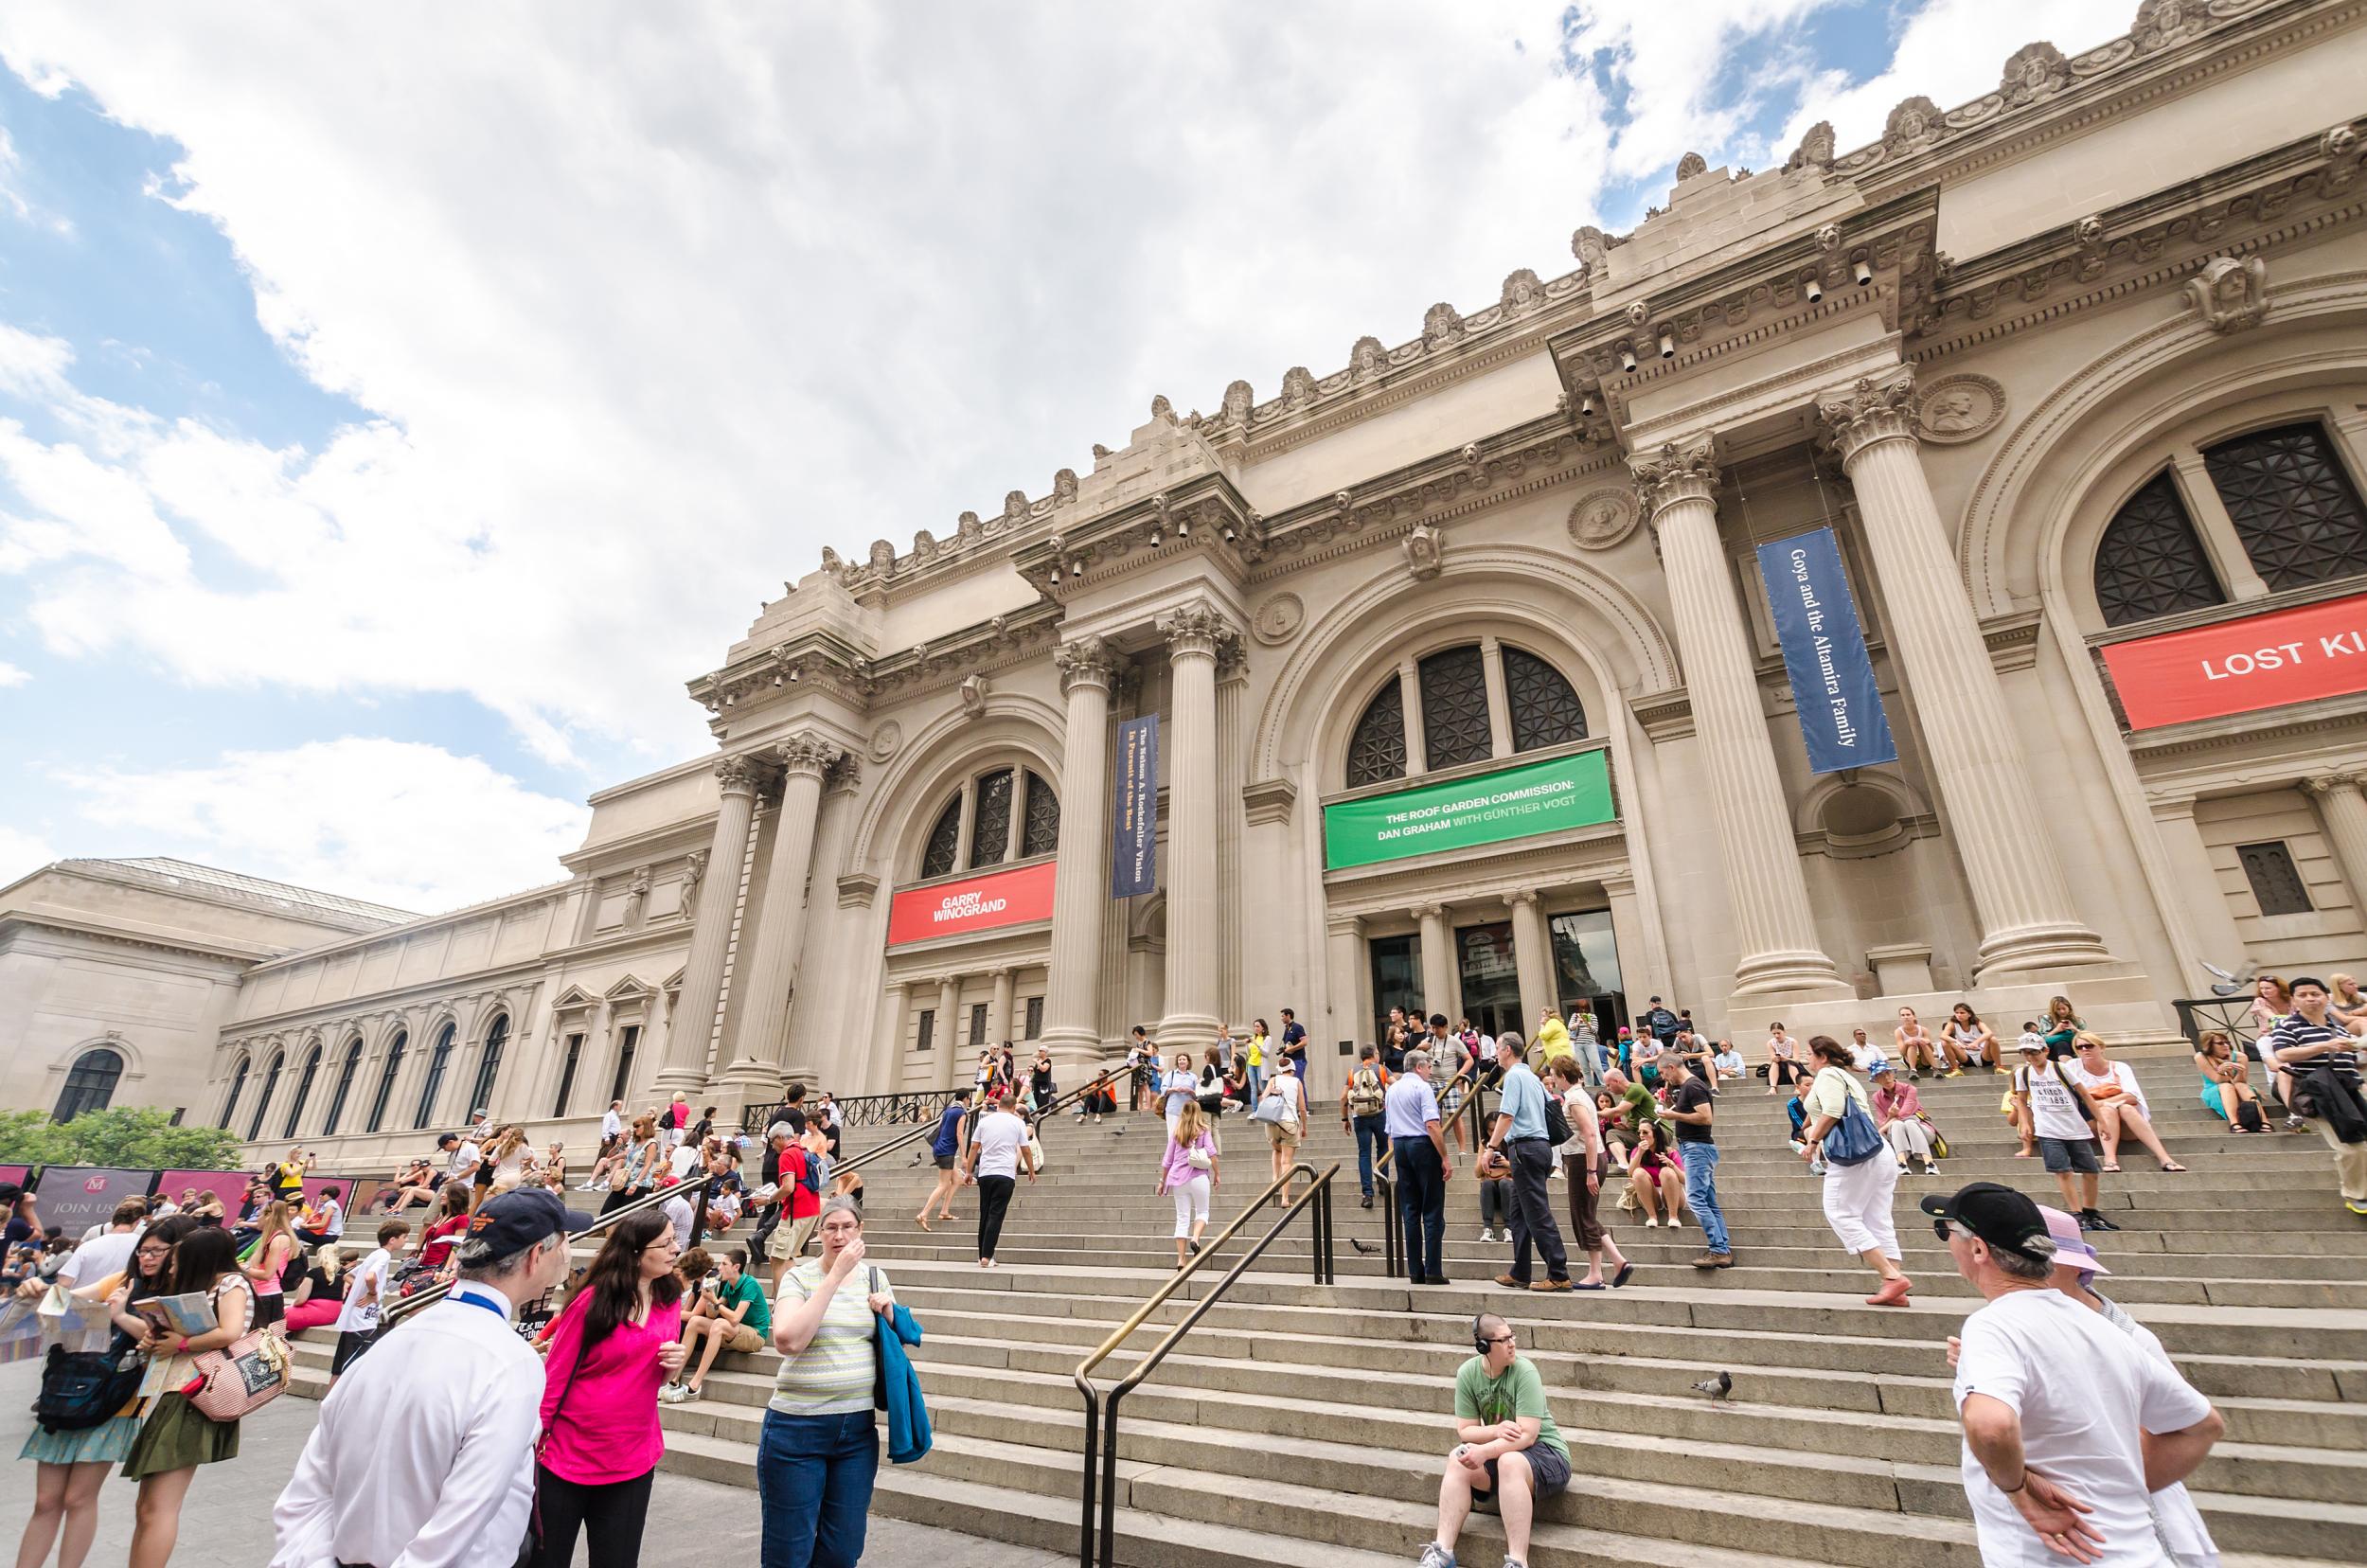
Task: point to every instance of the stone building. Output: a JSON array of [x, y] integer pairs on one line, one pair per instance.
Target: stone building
[[1468, 677]]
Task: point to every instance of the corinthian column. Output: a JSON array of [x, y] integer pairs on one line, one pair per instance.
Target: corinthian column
[[1080, 889], [1774, 931], [773, 947], [686, 1065], [2020, 894], [1194, 634], [2345, 810]]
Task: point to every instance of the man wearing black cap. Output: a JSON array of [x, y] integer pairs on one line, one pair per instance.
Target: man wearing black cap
[[2065, 1419], [425, 1451]]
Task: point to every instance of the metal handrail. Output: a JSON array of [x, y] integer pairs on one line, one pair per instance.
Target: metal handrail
[[1101, 1419], [401, 1311], [1043, 1118]]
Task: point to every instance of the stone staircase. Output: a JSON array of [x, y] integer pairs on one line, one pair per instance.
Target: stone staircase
[[1306, 1423]]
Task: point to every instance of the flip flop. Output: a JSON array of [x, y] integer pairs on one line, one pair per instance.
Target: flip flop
[[1621, 1277], [1582, 1285], [2112, 1170], [2172, 1165]]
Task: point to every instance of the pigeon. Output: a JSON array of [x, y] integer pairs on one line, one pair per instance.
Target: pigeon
[[1718, 1387], [2231, 984], [1360, 1244], [1118, 1131]]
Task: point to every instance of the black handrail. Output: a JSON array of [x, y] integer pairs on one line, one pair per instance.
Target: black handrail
[[1102, 1445], [919, 1105]]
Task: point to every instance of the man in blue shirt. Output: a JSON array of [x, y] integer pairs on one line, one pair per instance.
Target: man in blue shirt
[[1418, 1150], [1519, 1134], [1294, 1043]]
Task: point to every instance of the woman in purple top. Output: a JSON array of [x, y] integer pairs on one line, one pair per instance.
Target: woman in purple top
[[616, 1342], [1189, 1171]]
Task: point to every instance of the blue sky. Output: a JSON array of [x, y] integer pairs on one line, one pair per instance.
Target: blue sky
[[377, 461]]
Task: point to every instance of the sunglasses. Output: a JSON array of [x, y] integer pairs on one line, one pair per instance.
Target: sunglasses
[[1943, 1229]]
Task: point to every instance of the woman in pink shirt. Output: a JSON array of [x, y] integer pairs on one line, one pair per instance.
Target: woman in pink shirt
[[616, 1342], [1898, 1112], [1189, 1171]]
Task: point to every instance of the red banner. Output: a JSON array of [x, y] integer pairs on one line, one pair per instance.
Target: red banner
[[2242, 666], [974, 903]]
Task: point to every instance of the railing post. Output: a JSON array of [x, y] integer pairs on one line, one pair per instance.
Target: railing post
[[1093, 1442], [1109, 1482]]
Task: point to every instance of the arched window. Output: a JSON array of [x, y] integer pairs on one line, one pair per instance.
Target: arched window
[[490, 1065], [1546, 712], [345, 1087], [436, 1061], [2150, 561], [237, 1083], [2292, 505], [387, 1079], [1377, 749], [1042, 833], [945, 841], [262, 1100], [303, 1090], [1001, 827], [1454, 707], [90, 1083]]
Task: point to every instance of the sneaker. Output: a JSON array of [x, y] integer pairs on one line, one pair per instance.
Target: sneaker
[[1515, 1562], [1486, 1233], [2101, 1223], [1714, 1260], [2085, 1223], [1436, 1555], [2294, 1124], [1651, 1224], [670, 1394], [1931, 1167], [1675, 1223], [1955, 1072], [2354, 1207]]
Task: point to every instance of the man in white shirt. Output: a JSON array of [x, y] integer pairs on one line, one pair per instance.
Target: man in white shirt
[[2067, 1422], [366, 1290], [110, 1251], [328, 1221], [998, 1149], [425, 1457], [677, 1208], [612, 1142]]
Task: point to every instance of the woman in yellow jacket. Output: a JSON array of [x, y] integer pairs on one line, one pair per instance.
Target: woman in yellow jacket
[[1253, 1053], [1552, 1037]]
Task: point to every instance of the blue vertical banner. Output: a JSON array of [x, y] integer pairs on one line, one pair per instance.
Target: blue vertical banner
[[1135, 855], [1832, 679]]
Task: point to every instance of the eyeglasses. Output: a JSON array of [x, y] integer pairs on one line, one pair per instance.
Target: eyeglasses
[[1497, 1339]]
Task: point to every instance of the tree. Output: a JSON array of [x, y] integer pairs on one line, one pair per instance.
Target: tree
[[123, 1138]]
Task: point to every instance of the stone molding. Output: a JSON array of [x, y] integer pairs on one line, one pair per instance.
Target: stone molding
[[1269, 800]]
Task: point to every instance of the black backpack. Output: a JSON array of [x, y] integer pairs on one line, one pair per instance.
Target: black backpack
[[80, 1389]]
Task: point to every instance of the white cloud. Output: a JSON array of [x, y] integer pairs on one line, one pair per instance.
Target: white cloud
[[13, 200], [13, 675], [22, 853], [397, 822]]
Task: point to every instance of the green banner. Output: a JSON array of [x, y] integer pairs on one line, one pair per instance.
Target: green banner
[[1536, 797]]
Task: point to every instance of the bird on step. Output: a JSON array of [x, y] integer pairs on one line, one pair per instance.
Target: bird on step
[[1718, 1387]]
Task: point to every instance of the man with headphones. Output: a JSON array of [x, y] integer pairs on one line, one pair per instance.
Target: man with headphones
[[1506, 1445]]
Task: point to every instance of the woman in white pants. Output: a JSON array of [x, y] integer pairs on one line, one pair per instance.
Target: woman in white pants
[[1189, 1171], [1857, 1197]]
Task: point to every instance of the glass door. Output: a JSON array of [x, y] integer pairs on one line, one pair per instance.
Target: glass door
[[1491, 981], [1586, 969], [1396, 976]]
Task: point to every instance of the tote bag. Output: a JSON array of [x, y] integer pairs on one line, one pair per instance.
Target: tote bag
[[1853, 1139]]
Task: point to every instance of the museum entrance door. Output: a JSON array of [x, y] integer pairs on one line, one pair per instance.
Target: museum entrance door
[[1586, 969], [1491, 981]]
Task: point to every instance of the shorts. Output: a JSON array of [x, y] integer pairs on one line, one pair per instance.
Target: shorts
[[1549, 1472], [789, 1239], [945, 1162], [1283, 1135], [2070, 1154], [744, 1341], [350, 1343]]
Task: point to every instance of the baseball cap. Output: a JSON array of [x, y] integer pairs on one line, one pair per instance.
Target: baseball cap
[[2031, 1042], [1998, 1215], [521, 1218], [2070, 1245]]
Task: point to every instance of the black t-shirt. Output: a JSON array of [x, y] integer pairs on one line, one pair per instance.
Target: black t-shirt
[[1693, 1094], [324, 1289], [795, 1116]]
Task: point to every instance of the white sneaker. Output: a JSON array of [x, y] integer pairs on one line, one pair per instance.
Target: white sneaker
[[1675, 1223], [1931, 1167], [1436, 1555], [1486, 1233], [1651, 1224]]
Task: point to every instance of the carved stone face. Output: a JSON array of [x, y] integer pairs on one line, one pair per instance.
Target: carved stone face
[[1955, 409]]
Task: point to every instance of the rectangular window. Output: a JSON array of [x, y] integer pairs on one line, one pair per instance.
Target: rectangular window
[[1586, 969], [630, 1043], [1397, 977], [1035, 1017], [567, 1074], [2275, 881], [977, 1025], [928, 1028]]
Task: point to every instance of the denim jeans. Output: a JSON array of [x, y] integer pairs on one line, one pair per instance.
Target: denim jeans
[[813, 1487], [1590, 1059], [1372, 1142], [1702, 1193]]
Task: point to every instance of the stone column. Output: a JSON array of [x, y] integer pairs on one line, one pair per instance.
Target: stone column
[[1438, 988], [1080, 889], [1410, 704], [2343, 810], [2020, 894], [2200, 922], [999, 1014], [773, 948], [950, 1043], [684, 1066], [1499, 698], [1195, 635], [887, 1076], [1774, 931], [1532, 959]]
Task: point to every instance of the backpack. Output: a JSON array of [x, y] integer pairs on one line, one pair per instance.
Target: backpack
[[1365, 1097], [810, 1178], [1557, 1121]]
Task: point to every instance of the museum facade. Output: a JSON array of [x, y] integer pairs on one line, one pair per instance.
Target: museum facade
[[1927, 571]]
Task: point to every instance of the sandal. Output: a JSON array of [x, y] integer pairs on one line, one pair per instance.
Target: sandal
[[2110, 1167], [2172, 1165], [923, 1224]]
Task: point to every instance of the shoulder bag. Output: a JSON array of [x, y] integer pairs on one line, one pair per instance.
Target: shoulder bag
[[80, 1389], [241, 1376], [1852, 1139], [1274, 1108]]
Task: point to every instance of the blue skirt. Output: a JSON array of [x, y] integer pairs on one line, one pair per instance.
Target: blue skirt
[[103, 1444]]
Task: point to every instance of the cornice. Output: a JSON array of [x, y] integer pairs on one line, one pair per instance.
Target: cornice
[[2251, 731], [396, 936], [739, 692], [479, 985], [181, 947]]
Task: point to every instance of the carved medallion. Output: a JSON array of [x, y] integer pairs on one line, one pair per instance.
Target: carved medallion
[[1961, 408], [1278, 620], [1602, 518], [886, 741]]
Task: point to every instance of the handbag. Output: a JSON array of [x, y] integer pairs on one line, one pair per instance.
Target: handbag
[[242, 1376], [81, 1389], [1939, 1139], [1852, 1140], [1200, 1159], [1273, 1110]]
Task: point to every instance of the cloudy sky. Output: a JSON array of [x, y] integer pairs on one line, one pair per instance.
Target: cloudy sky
[[398, 405]]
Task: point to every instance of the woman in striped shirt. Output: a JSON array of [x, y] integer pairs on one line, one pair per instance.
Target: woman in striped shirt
[[820, 1446]]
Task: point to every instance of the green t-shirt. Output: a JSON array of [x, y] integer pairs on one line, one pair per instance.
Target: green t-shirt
[[759, 1314], [1642, 1106], [1519, 1391]]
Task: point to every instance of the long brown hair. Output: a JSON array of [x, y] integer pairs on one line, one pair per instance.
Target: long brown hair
[[275, 1223], [613, 1280]]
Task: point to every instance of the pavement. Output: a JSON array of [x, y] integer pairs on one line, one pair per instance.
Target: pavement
[[226, 1522]]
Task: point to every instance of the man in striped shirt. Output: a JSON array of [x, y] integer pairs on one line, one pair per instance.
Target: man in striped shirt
[[2308, 1039]]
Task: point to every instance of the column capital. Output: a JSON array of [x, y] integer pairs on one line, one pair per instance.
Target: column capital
[[2327, 784], [1001, 972], [1427, 911], [1617, 884], [1087, 662], [1678, 470], [736, 774], [806, 753], [1522, 899], [1875, 408], [1344, 925], [1201, 629]]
